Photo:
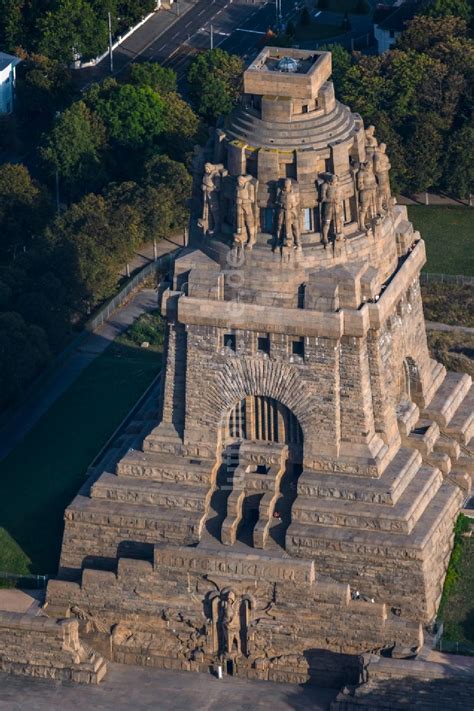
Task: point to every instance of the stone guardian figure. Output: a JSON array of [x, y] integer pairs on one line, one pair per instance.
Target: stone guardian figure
[[245, 211], [382, 168], [367, 187], [371, 142], [332, 211], [288, 232], [211, 187]]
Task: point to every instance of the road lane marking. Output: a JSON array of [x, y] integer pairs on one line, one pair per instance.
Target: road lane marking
[[254, 32]]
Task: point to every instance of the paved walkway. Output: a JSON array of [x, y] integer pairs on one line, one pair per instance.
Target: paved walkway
[[433, 200], [437, 326], [128, 688], [14, 600], [94, 344]]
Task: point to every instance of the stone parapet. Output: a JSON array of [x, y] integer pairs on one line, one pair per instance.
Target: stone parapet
[[47, 647]]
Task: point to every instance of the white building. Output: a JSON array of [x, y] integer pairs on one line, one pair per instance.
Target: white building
[[389, 22], [7, 82]]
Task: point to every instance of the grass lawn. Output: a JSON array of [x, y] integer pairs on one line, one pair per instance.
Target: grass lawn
[[449, 236], [449, 303], [42, 474], [457, 606]]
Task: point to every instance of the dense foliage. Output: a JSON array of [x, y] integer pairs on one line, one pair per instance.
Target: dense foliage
[[65, 29], [117, 161], [420, 97], [215, 83]]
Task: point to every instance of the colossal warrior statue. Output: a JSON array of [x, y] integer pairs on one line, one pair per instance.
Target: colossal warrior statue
[[288, 221], [302, 444], [371, 142], [245, 209], [382, 171], [331, 209], [367, 186], [211, 186]]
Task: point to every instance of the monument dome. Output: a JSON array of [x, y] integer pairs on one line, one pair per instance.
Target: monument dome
[[296, 492]]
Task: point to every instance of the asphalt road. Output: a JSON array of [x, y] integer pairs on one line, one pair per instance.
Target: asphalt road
[[172, 37]]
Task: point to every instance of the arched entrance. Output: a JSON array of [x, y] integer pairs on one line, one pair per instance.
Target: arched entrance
[[259, 418], [257, 480]]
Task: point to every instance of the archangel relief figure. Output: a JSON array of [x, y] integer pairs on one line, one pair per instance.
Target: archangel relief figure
[[382, 168], [332, 212], [230, 622], [367, 188], [245, 211], [211, 187], [288, 233]]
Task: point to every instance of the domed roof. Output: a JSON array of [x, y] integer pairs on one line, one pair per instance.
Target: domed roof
[[288, 64]]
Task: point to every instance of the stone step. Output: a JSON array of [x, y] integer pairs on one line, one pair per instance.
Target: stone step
[[461, 424], [448, 397], [320, 130], [161, 467], [386, 490], [423, 436], [135, 491], [253, 119], [398, 518], [307, 539], [407, 416], [313, 138]]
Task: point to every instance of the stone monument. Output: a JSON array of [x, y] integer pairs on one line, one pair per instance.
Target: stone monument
[[292, 502]]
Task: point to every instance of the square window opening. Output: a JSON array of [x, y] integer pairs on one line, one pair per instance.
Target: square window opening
[[297, 348], [263, 344], [230, 341]]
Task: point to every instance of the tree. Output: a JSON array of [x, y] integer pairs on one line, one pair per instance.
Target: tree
[[162, 172], [134, 116], [23, 351], [346, 23], [215, 81], [445, 8], [132, 10], [73, 149], [152, 74], [23, 209], [11, 26], [305, 17], [422, 33], [44, 86], [459, 166], [424, 149], [361, 7], [341, 63], [290, 28], [182, 126], [72, 28], [88, 244]]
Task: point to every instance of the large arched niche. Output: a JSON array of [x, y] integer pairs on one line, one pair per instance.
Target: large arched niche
[[258, 418]]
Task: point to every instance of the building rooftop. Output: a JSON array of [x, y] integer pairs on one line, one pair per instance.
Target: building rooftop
[[7, 59], [395, 18], [268, 73]]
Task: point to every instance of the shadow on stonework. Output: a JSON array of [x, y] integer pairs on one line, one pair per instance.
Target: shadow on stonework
[[407, 692]]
